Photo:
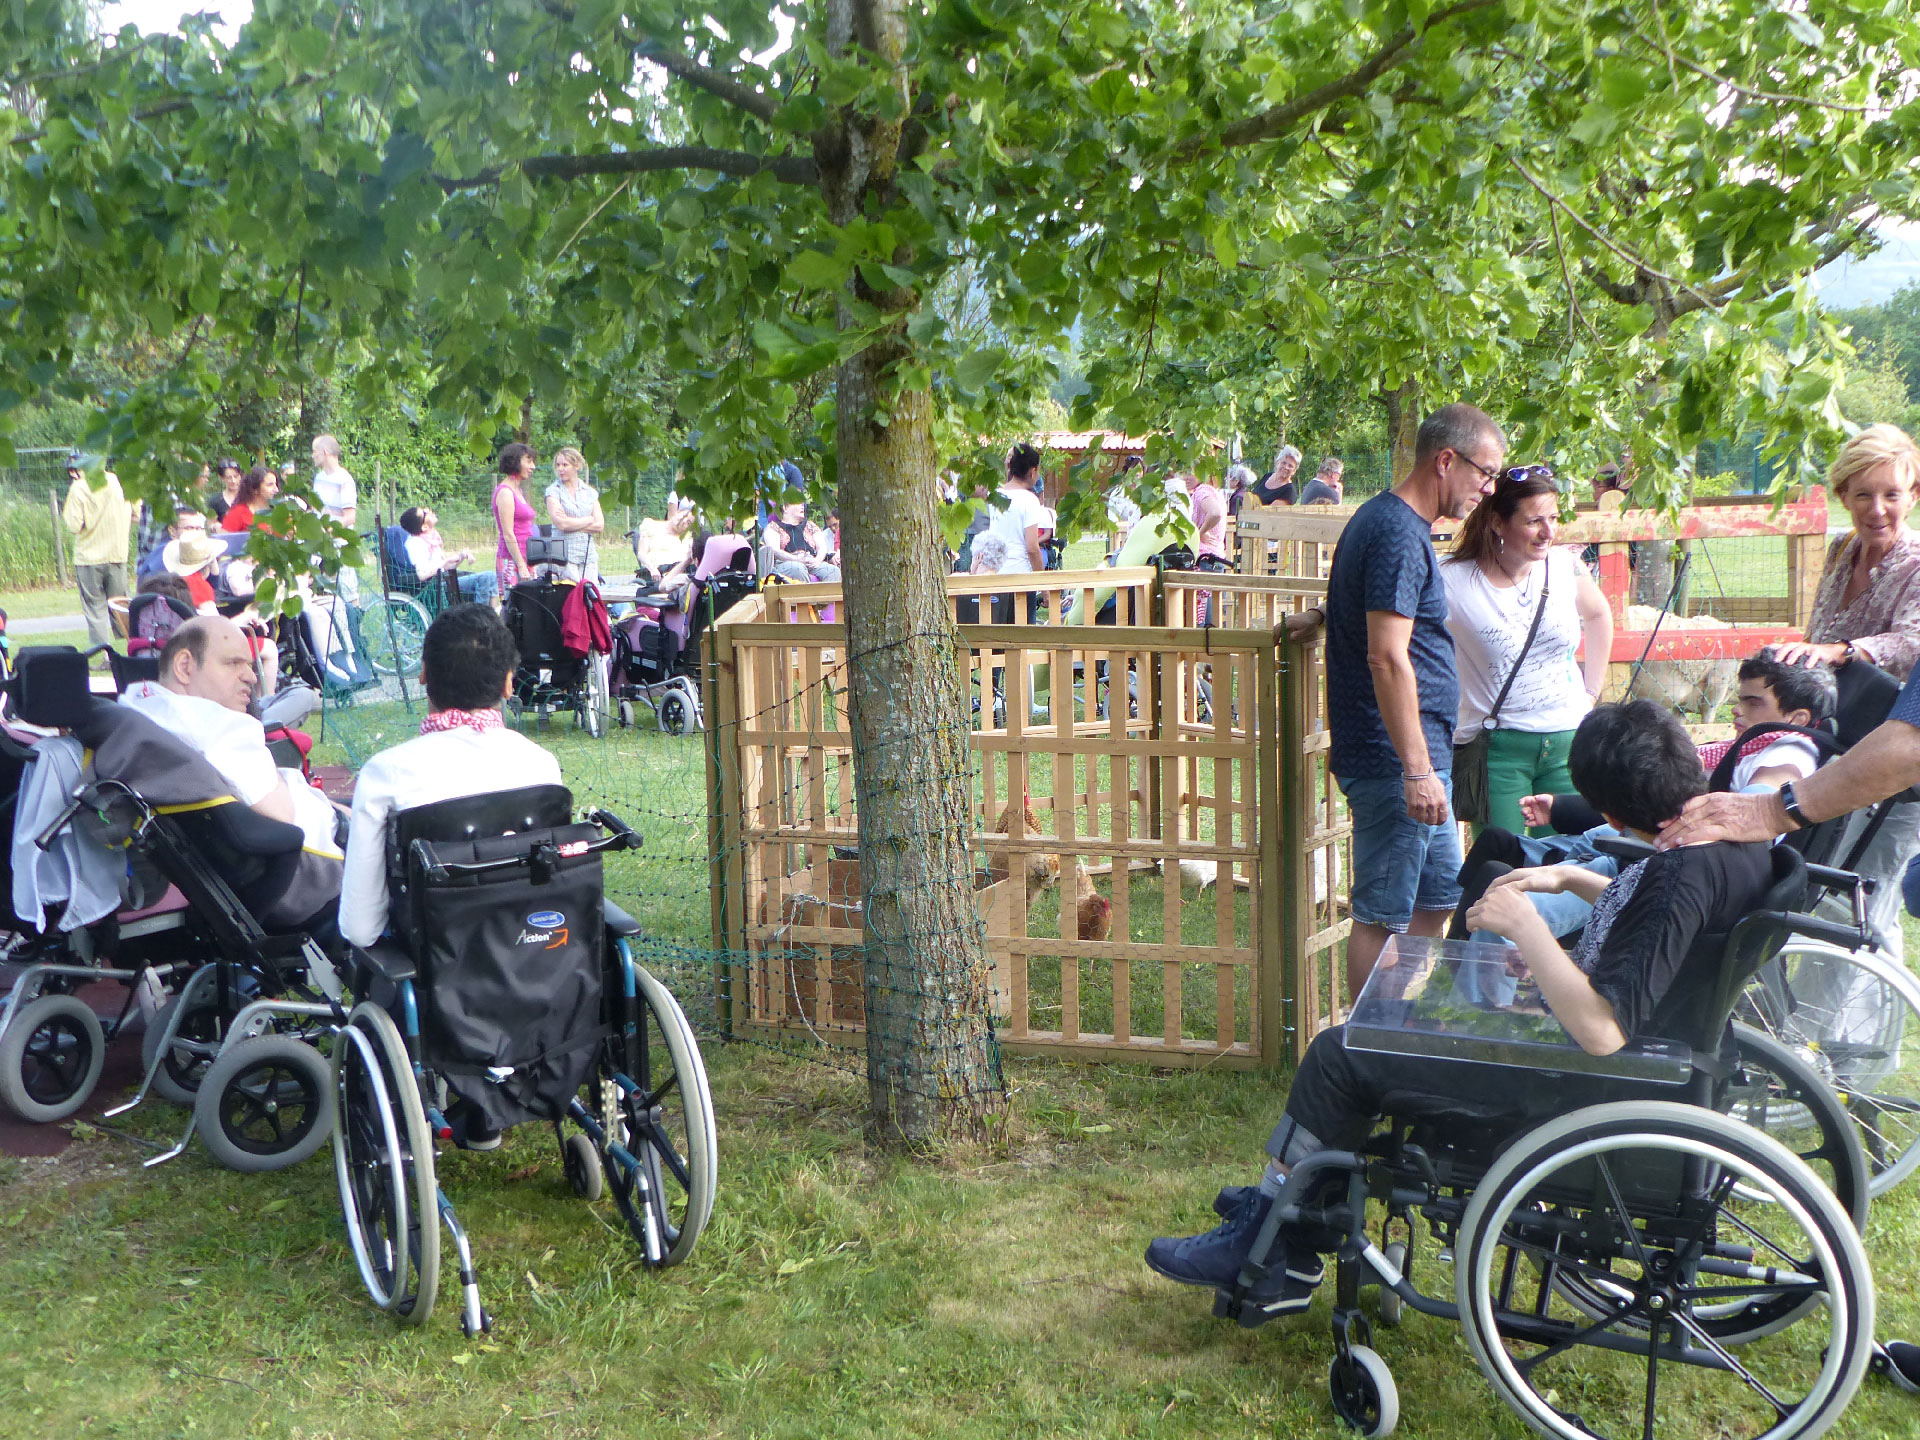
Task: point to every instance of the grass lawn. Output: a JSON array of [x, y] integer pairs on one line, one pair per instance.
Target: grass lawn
[[990, 1293]]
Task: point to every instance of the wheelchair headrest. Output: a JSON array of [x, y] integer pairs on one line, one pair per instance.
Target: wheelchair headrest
[[50, 687], [471, 817], [1864, 698]]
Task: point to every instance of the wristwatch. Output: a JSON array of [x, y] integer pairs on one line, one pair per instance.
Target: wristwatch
[[1792, 807]]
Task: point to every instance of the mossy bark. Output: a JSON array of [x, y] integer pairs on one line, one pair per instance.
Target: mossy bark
[[932, 1068]]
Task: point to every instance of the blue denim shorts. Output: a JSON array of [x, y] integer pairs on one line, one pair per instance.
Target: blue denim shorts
[[1399, 865]]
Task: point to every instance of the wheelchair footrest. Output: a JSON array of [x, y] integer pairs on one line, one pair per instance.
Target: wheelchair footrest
[[1238, 1306]]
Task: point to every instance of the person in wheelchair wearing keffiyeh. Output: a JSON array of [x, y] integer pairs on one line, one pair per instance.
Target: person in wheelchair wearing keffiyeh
[[467, 664], [1626, 979]]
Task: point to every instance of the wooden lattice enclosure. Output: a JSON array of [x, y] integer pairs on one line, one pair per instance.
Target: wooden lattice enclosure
[[1185, 768]]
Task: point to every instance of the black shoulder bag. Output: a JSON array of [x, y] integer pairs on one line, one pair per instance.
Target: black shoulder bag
[[1470, 759]]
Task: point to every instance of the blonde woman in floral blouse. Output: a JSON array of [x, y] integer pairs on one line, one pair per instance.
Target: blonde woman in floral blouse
[[1868, 606]]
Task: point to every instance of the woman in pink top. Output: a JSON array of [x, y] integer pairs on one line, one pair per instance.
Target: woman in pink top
[[1209, 516], [513, 516]]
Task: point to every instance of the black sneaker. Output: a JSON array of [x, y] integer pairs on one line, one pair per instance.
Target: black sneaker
[[1216, 1258]]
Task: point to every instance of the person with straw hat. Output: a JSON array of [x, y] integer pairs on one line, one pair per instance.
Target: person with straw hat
[[191, 556]]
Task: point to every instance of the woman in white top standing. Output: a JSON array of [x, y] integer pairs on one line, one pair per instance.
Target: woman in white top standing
[[1019, 525], [1503, 563], [574, 508]]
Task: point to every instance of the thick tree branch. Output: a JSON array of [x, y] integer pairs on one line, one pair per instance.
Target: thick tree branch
[[793, 169], [1600, 236], [1270, 123], [742, 97], [152, 112]]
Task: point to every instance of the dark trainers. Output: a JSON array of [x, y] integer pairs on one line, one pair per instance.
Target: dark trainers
[[1216, 1258]]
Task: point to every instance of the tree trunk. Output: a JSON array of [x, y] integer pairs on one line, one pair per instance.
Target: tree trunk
[[932, 1066], [1403, 425]]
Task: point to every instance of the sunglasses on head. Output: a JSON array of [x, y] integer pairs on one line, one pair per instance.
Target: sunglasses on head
[[1520, 474]]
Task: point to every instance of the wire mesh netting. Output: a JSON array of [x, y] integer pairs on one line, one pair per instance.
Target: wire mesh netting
[[618, 753]]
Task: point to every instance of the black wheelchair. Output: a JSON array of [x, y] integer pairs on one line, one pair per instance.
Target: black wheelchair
[[1632, 1247], [510, 990], [551, 677], [204, 940]]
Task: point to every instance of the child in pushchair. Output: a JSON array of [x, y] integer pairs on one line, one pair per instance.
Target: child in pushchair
[[656, 647]]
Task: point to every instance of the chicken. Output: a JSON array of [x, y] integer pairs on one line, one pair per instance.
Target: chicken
[[1042, 870], [1095, 910], [1195, 875]]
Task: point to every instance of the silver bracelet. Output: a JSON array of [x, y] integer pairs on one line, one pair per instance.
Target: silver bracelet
[[1427, 775]]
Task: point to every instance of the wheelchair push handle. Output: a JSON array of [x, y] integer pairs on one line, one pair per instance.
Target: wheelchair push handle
[[628, 837], [1847, 937], [96, 796]]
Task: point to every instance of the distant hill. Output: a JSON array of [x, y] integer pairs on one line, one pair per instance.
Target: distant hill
[[1851, 283]]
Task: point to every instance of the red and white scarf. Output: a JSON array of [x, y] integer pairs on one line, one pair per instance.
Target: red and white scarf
[[1712, 753], [441, 721]]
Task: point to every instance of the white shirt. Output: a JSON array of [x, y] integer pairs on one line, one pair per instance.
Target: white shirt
[[1794, 752], [1024, 512], [1489, 624], [336, 492], [427, 553], [235, 744], [448, 765]]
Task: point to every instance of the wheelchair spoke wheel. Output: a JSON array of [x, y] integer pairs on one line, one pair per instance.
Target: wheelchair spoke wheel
[[50, 1058], [1775, 1090], [667, 1195], [383, 1162], [393, 635], [596, 701], [1854, 1017], [266, 1103], [1705, 1309]]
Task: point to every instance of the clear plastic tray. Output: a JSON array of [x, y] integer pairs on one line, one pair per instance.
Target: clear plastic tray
[[1460, 1000]]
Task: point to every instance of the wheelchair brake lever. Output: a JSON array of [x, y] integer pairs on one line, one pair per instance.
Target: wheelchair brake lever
[[60, 822]]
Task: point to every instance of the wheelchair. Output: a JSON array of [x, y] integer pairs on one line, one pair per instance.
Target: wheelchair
[[1623, 1254], [393, 624], [510, 989], [185, 941], [551, 677]]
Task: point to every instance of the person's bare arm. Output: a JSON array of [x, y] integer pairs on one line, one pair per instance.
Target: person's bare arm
[[1556, 880], [1596, 629], [276, 804], [503, 517], [596, 523], [1583, 1011], [1035, 556], [1883, 764], [1397, 692]]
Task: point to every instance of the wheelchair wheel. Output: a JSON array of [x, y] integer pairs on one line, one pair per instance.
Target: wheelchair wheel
[[582, 1164], [191, 1050], [673, 713], [1775, 1090], [266, 1103], [596, 705], [383, 1162], [1363, 1391], [393, 634], [1642, 1203], [1854, 1016], [670, 1133], [50, 1058]]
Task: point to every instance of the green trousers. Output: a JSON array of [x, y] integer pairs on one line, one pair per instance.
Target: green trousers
[[1520, 764]]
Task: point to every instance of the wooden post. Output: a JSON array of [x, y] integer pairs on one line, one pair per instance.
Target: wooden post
[[1275, 888], [59, 545], [1295, 911], [723, 826]]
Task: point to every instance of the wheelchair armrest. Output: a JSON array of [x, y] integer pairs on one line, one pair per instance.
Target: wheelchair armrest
[[389, 962], [619, 922], [1571, 815], [1834, 932]]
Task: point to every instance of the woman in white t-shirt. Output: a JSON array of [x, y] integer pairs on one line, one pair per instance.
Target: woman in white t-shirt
[[1502, 561], [1018, 527]]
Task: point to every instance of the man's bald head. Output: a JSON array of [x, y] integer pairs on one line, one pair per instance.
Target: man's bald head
[[210, 659]]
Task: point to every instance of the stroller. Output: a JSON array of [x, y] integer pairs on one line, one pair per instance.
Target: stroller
[[565, 639], [657, 647]]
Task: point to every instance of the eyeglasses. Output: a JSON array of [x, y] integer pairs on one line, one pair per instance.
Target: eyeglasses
[[1490, 474]]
